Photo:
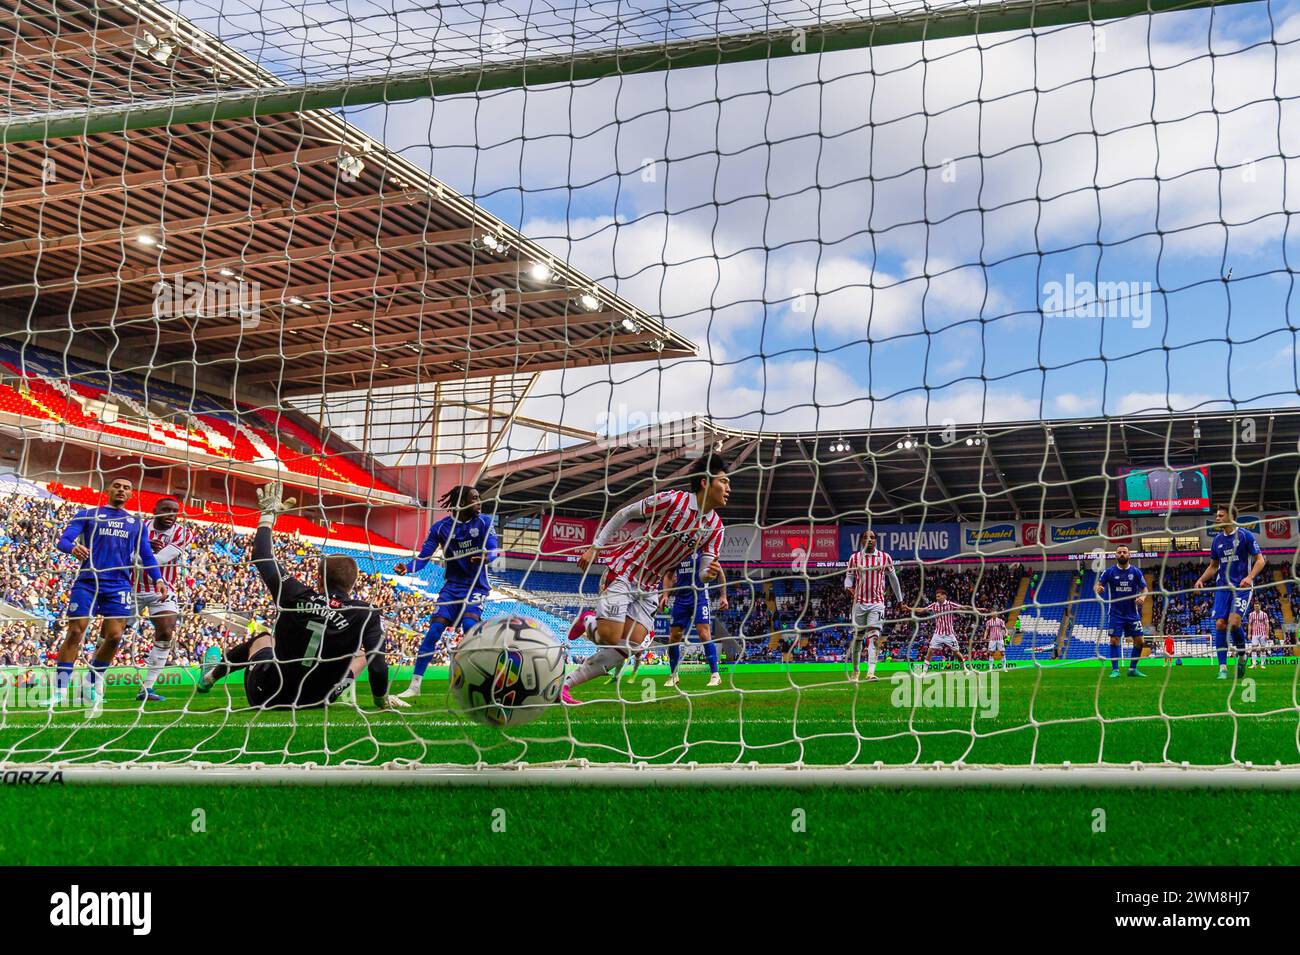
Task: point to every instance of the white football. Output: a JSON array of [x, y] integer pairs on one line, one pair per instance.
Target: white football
[[506, 671]]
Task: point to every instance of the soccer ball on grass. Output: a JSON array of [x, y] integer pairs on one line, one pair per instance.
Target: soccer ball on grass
[[506, 671]]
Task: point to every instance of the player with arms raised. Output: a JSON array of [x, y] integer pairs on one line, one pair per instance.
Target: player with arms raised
[[468, 544], [678, 523], [944, 635], [169, 539], [322, 640], [1235, 562], [1124, 588], [691, 608], [1259, 627], [868, 569], [109, 542]]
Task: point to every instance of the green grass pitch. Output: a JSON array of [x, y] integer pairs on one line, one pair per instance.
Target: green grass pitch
[[761, 714]]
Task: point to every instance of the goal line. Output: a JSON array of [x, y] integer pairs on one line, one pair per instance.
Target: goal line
[[582, 773]]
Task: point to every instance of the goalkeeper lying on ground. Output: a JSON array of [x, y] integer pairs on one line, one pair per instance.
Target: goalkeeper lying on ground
[[322, 640]]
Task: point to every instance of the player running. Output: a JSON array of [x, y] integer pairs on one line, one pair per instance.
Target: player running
[[468, 544], [944, 634], [1232, 549], [678, 523], [865, 580], [322, 639], [995, 632], [691, 608], [170, 541], [1124, 588], [108, 541], [1259, 627]]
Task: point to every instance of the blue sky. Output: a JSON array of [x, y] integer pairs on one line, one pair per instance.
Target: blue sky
[[929, 197]]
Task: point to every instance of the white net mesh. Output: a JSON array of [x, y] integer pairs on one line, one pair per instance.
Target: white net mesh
[[1008, 298]]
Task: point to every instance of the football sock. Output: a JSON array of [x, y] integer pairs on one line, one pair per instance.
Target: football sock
[[1114, 654], [154, 662], [602, 661], [1239, 637], [711, 654], [98, 672], [424, 656], [1221, 646], [674, 656], [872, 656], [63, 678]]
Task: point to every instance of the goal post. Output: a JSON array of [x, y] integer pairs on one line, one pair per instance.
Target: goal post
[[799, 37], [1007, 316]]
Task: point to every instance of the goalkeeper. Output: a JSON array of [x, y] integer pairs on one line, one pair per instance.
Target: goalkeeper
[[322, 638]]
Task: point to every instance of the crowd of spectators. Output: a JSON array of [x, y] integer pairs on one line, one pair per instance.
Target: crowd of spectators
[[805, 619], [1179, 609], [36, 578]]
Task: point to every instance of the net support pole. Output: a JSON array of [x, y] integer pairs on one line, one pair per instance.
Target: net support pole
[[580, 65]]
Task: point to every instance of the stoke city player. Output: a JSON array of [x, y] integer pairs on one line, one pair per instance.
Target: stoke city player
[[169, 539], [677, 524], [868, 569]]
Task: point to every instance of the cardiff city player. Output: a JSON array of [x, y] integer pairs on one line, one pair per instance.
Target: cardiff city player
[[865, 580], [1124, 588], [169, 539], [691, 609], [322, 640], [109, 542], [1235, 562], [944, 634], [678, 523], [1259, 628], [468, 544]]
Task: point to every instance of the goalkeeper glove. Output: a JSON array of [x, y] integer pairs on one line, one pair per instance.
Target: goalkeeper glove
[[270, 504], [341, 691]]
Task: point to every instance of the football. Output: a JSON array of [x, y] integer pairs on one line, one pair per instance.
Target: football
[[506, 671]]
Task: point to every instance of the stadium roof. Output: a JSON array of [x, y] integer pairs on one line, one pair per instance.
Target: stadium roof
[[1008, 470], [364, 271]]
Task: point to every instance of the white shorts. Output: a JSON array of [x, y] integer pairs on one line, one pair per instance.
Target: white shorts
[[947, 642], [1258, 640], [155, 604], [620, 600], [997, 646], [868, 616]]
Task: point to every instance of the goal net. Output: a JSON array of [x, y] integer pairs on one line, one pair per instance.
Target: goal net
[[1002, 291]]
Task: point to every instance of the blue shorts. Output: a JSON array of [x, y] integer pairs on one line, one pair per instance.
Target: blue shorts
[[1228, 601], [1126, 628], [460, 607], [90, 599], [690, 615]]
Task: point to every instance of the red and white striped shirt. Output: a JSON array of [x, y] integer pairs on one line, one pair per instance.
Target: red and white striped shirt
[[866, 576], [1258, 623], [995, 628], [674, 530], [945, 614], [169, 547]]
